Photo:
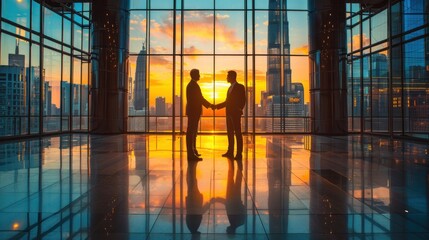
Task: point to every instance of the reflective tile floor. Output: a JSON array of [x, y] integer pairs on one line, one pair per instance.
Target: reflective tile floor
[[142, 187]]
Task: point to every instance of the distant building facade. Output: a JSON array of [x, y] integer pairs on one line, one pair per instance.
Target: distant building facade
[[283, 99], [140, 91]]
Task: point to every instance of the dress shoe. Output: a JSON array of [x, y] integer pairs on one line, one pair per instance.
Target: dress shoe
[[238, 157], [194, 158], [228, 155]]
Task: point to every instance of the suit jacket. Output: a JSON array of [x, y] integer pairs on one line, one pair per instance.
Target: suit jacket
[[195, 99], [235, 101]]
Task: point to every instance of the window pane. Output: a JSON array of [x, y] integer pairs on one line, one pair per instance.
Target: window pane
[[366, 68], [84, 99], [261, 32], [34, 88], [52, 24], [137, 4], [137, 30], [414, 14], [365, 34], [85, 42], [161, 32], [227, 4], [198, 32], [229, 32], [67, 32], [76, 93], [77, 38], [297, 4], [397, 99], [379, 27], [160, 97], [17, 12], [51, 90], [380, 99], [35, 14], [65, 93], [164, 4], [357, 95], [200, 4], [297, 30], [415, 85]]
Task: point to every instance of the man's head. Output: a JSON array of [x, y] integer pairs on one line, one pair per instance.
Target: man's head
[[231, 77], [195, 74]]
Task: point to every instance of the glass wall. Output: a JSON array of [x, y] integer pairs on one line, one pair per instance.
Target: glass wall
[[265, 42], [43, 67], [388, 69]]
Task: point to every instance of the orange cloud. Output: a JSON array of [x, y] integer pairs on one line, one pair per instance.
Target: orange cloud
[[300, 50], [157, 49], [356, 42], [139, 39], [192, 50], [161, 61], [200, 27], [143, 25]]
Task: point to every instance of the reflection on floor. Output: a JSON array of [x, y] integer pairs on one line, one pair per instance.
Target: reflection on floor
[[142, 187]]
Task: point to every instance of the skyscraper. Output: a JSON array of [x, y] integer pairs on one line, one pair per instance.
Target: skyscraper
[[11, 99], [140, 81], [278, 49], [12, 94], [160, 106], [17, 59], [280, 90]]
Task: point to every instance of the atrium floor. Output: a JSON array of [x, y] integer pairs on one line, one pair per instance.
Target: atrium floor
[[142, 187]]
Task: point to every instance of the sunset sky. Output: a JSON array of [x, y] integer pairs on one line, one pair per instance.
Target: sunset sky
[[227, 39], [205, 33]]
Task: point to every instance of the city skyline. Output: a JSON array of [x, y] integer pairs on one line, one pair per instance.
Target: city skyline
[[198, 43]]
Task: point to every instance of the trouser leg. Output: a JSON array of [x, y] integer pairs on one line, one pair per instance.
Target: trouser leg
[[191, 134], [230, 132], [238, 134]]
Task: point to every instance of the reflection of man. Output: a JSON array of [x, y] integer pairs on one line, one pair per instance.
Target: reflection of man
[[235, 208], [194, 103], [194, 200], [234, 103]]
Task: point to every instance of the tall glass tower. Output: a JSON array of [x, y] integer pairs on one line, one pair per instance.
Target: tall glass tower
[[140, 82], [278, 42]]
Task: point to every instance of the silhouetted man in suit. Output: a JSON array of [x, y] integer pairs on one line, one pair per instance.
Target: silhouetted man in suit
[[234, 103], [194, 103]]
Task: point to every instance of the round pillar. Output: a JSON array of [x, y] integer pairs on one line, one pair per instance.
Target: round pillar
[[327, 52], [109, 59]]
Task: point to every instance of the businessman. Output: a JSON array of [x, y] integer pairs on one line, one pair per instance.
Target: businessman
[[234, 104], [194, 103]]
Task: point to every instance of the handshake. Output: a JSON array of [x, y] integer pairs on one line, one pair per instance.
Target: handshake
[[214, 106]]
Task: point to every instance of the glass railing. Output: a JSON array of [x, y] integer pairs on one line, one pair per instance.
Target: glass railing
[[12, 126], [217, 124]]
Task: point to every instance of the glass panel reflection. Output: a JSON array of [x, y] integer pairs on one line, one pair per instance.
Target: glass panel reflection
[[97, 186]]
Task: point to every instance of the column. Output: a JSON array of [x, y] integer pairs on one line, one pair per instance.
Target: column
[[327, 52], [109, 58]]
